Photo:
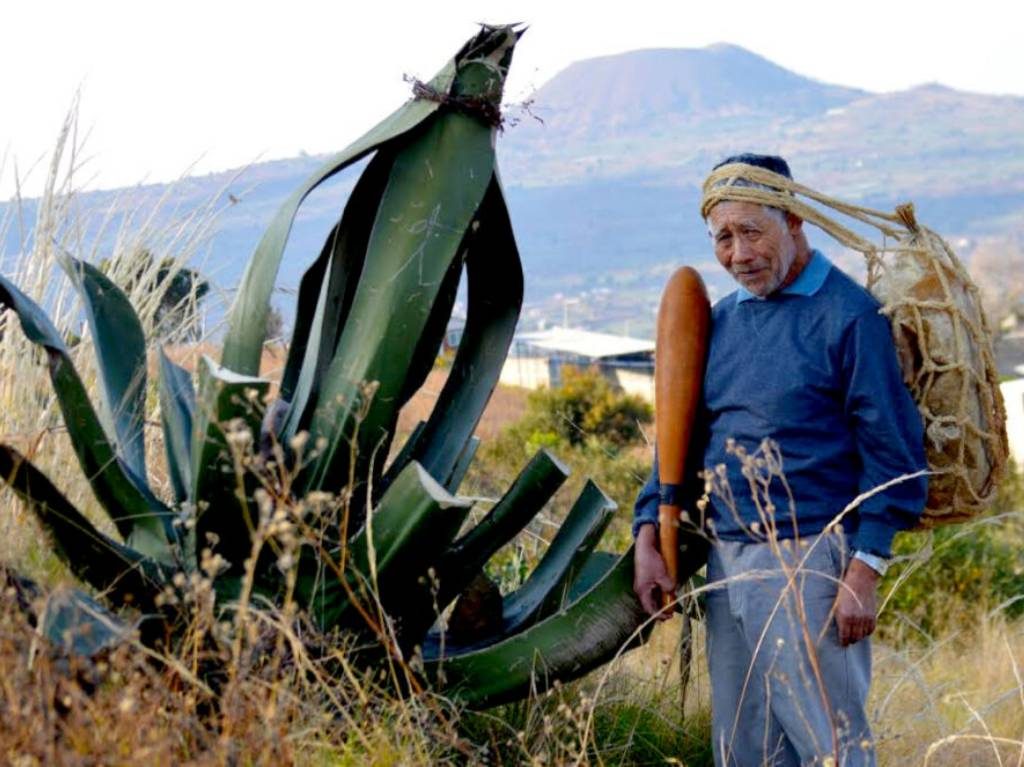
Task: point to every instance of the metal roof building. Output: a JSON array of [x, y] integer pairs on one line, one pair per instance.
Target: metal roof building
[[536, 359], [585, 345]]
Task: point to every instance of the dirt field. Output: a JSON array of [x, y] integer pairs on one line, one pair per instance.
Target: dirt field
[[507, 404]]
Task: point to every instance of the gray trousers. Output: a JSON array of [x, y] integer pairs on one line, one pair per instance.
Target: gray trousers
[[783, 690]]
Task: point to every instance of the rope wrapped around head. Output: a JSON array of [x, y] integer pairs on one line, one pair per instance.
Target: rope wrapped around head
[[942, 338], [732, 182]]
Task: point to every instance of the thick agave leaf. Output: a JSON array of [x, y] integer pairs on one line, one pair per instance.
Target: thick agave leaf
[[68, 618], [229, 416], [594, 568], [405, 455], [247, 320], [415, 518], [547, 586], [325, 295], [598, 623], [138, 514], [79, 624], [436, 185], [495, 295], [534, 486], [602, 623], [429, 344], [462, 465], [121, 573], [466, 557], [177, 409], [121, 353]]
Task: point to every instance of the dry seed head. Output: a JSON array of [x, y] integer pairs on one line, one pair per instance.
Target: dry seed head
[[212, 564], [239, 437]]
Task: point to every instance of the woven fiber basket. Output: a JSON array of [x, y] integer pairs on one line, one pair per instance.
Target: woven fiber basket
[[945, 351]]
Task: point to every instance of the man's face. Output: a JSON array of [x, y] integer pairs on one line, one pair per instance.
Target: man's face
[[756, 245]]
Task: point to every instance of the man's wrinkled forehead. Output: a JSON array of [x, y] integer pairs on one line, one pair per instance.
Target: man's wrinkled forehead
[[746, 215]]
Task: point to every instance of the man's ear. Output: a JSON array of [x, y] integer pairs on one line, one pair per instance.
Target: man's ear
[[794, 223]]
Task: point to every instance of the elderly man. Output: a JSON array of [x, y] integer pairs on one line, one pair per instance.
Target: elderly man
[[804, 409]]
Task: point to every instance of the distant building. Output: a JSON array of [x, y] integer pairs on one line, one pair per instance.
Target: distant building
[[1009, 351], [1013, 397], [536, 359]]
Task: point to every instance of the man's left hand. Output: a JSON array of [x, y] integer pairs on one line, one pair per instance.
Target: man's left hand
[[856, 603]]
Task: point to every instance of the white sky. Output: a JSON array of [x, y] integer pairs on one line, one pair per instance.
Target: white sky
[[213, 85]]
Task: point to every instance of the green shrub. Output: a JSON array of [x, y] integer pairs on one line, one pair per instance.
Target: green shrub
[[941, 580], [586, 406]]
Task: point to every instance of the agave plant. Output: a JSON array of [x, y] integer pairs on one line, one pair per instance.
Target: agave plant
[[373, 307]]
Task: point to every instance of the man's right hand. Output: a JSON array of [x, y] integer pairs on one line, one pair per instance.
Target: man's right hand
[[650, 578]]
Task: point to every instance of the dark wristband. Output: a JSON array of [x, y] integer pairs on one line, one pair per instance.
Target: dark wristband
[[670, 494]]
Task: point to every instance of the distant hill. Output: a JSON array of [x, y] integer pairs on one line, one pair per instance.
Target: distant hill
[[640, 91], [720, 100], [603, 193]]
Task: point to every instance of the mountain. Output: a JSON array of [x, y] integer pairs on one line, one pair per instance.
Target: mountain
[[603, 188], [721, 100], [637, 92]]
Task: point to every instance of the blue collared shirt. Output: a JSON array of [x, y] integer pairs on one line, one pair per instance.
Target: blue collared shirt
[[807, 283], [813, 368]]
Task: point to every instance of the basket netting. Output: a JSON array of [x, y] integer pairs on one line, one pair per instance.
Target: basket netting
[[942, 339]]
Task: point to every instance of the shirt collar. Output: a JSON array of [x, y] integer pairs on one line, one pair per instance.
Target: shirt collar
[[807, 283]]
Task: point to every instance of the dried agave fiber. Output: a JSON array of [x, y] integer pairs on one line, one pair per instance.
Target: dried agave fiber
[[942, 338]]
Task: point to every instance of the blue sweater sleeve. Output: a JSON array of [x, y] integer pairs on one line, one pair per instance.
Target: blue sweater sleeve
[[645, 509], [888, 432]]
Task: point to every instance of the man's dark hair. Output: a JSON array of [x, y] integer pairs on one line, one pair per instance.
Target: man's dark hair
[[770, 162]]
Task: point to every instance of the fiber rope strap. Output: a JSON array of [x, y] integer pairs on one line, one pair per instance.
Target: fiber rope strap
[[942, 338]]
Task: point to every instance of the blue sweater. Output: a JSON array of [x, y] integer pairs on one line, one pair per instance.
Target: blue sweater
[[813, 368]]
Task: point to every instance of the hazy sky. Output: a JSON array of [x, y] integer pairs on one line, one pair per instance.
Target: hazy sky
[[212, 85]]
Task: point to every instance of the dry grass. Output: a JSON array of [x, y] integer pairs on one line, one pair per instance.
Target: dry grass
[[507, 404], [131, 707]]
